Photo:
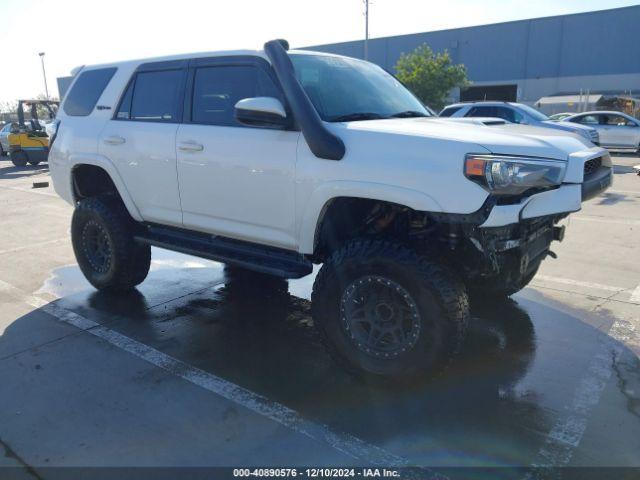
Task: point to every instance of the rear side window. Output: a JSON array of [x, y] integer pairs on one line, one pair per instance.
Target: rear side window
[[86, 91], [152, 97], [447, 112], [216, 90]]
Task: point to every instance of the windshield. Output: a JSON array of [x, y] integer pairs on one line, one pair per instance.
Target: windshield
[[343, 89], [532, 112]]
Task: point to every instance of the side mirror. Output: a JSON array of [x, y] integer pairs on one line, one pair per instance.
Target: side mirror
[[267, 112]]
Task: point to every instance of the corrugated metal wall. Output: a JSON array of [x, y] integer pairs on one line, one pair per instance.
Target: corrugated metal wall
[[593, 43]]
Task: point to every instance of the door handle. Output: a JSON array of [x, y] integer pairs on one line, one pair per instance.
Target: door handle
[[114, 140], [190, 146]]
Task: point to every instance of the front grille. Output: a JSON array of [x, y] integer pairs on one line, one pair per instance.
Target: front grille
[[591, 166]]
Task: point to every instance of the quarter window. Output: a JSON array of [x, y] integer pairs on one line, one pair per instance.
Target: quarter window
[[216, 90], [86, 91]]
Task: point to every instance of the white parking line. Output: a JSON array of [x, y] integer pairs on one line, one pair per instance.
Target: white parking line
[[343, 442], [578, 283], [597, 219], [33, 245], [30, 190], [624, 192], [567, 433]]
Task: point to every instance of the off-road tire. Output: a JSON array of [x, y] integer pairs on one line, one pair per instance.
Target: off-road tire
[[440, 298], [127, 262], [19, 158]]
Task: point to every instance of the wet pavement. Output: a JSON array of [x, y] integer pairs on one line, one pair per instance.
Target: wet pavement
[[549, 377]]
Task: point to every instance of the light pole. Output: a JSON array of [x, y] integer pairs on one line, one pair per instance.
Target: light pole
[[366, 29], [44, 75]]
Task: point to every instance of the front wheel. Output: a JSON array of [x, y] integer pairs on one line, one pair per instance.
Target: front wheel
[[19, 158], [384, 310], [102, 236]]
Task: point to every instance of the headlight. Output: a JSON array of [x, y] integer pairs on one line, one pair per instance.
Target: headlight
[[504, 175]]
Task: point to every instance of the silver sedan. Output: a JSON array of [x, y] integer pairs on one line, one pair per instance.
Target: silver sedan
[[618, 131], [4, 139]]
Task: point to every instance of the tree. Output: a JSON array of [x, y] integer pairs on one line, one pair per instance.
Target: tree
[[430, 76]]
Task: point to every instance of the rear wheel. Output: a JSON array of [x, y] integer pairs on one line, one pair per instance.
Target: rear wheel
[[19, 158], [384, 310], [102, 235]]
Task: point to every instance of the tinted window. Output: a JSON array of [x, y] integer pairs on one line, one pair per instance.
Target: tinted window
[[447, 112], [216, 91], [506, 113], [155, 96], [86, 91], [482, 112]]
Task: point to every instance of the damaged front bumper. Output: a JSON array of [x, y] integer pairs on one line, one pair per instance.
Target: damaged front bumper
[[589, 173]]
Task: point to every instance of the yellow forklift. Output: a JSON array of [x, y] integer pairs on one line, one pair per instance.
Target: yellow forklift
[[28, 140]]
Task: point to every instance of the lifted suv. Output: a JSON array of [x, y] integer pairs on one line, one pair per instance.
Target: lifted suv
[[272, 161]]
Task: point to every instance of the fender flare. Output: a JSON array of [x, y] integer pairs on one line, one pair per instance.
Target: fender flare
[[324, 194], [106, 164]]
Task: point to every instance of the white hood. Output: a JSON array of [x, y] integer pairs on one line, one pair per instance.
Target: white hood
[[508, 139]]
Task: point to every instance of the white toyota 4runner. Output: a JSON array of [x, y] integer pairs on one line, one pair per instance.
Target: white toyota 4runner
[[276, 160]]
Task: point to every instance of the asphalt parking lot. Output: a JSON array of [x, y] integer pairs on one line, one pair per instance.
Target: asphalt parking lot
[[200, 368]]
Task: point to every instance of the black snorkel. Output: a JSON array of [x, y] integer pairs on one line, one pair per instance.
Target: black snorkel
[[321, 141]]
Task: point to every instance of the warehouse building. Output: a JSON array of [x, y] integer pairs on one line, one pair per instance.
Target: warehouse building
[[582, 61]]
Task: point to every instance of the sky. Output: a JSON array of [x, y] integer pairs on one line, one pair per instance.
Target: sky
[[84, 32]]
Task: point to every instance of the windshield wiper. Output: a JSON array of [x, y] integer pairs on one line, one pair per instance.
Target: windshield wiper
[[351, 117], [408, 114]]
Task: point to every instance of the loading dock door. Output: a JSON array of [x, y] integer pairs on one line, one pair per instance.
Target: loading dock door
[[505, 93]]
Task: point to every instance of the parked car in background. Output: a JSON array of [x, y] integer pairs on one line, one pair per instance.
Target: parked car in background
[[517, 113], [617, 130], [556, 117], [4, 139]]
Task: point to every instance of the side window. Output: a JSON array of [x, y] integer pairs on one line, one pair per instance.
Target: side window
[[86, 91], [482, 112], [617, 120], [505, 113], [154, 97], [587, 120], [216, 90]]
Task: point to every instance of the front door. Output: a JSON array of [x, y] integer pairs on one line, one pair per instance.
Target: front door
[[618, 130], [235, 181]]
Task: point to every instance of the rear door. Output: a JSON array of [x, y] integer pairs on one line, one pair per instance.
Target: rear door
[[235, 180], [140, 139]]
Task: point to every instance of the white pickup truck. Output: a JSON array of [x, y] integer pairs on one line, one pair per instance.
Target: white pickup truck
[[276, 160]]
